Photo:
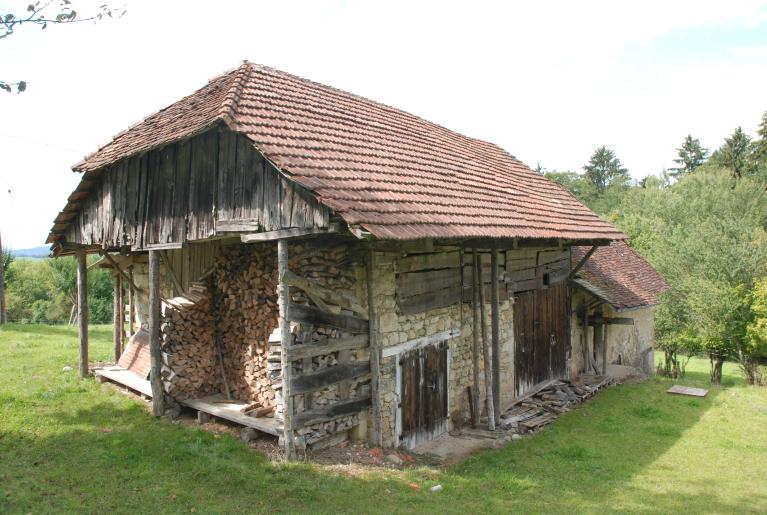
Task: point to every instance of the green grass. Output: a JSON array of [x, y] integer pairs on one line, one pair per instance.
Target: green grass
[[69, 445]]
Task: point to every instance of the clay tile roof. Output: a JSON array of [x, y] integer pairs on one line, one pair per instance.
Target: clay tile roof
[[391, 173], [620, 276]]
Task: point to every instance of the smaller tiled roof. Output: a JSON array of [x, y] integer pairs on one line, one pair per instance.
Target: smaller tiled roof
[[617, 274]]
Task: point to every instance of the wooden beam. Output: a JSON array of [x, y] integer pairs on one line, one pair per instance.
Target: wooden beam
[[118, 316], [327, 376], [375, 350], [582, 262], [419, 343], [304, 314], [603, 329], [122, 272], [132, 306], [296, 352], [283, 234], [485, 351], [496, 334], [319, 294], [339, 409], [155, 355], [475, 334], [176, 283], [283, 300], [82, 309]]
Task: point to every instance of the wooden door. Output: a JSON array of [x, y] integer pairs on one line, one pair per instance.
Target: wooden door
[[541, 336], [423, 391]]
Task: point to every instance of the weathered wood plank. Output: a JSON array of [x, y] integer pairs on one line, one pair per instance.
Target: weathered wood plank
[[158, 407], [287, 233], [327, 377], [297, 352], [311, 315], [331, 412], [82, 310], [417, 262], [427, 301], [417, 283]]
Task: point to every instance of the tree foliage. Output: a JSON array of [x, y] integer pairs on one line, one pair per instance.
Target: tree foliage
[[691, 155], [605, 169], [735, 154], [44, 291]]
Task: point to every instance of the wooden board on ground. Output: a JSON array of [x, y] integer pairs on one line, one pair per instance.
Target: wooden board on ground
[[218, 406], [687, 390], [124, 377]]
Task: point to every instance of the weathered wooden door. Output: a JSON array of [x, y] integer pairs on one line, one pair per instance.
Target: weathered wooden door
[[423, 394], [541, 335]]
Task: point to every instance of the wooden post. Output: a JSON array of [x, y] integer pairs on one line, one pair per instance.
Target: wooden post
[[283, 299], [486, 353], [155, 357], [117, 315], [475, 335], [3, 318], [82, 310], [132, 306], [603, 337], [375, 352], [495, 332]]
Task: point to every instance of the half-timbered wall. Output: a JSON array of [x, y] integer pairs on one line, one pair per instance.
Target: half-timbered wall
[[189, 191]]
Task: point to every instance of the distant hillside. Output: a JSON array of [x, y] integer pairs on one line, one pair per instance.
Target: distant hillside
[[35, 252]]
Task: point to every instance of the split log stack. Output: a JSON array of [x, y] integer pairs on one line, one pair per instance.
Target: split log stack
[[188, 332], [245, 284]]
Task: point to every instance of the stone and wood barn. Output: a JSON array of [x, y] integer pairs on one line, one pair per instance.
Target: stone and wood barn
[[315, 264]]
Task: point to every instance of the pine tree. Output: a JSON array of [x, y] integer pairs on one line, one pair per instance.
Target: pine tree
[[735, 154], [691, 155], [759, 150], [604, 169]]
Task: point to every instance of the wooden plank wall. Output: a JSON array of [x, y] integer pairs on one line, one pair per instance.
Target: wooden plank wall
[[433, 280], [534, 269], [190, 262], [181, 192]]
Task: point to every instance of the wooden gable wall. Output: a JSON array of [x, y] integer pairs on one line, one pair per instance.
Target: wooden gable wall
[[189, 191]]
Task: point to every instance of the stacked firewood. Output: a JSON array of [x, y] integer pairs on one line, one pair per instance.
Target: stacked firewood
[[188, 332], [245, 281]]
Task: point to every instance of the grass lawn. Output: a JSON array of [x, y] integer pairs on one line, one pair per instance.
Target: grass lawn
[[69, 445]]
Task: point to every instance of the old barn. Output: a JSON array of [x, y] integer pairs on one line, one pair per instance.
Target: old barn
[[316, 265]]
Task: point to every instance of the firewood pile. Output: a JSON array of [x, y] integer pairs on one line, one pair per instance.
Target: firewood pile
[[245, 282], [535, 411], [188, 332]]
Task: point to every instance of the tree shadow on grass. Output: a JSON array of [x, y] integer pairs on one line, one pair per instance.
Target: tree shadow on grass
[[112, 456]]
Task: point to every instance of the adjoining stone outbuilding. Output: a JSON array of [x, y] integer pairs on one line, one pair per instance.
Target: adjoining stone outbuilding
[[314, 264]]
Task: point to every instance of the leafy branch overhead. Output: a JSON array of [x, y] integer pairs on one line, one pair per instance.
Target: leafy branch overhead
[[42, 14]]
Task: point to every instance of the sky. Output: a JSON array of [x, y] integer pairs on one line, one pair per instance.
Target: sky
[[548, 81]]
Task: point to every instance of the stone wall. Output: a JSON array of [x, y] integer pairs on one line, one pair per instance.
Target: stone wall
[[630, 345], [396, 329]]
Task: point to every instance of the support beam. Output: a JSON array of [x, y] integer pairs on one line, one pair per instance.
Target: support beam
[[155, 354], [132, 306], [283, 299], [375, 351], [582, 262], [475, 335], [283, 234], [603, 330], [82, 309], [495, 329], [118, 315], [480, 285]]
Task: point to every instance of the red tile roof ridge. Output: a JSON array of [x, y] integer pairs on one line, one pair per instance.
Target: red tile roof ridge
[[387, 108], [228, 109]]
